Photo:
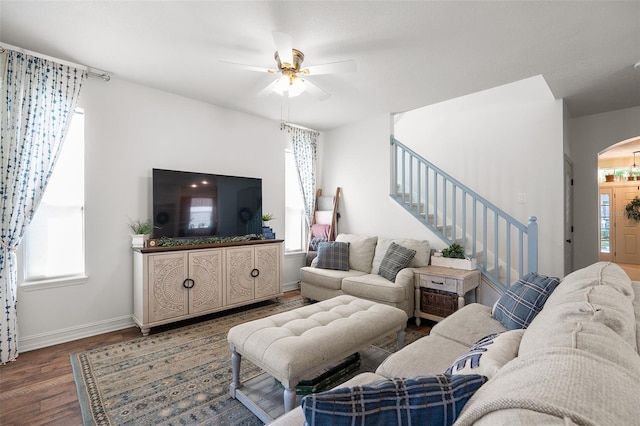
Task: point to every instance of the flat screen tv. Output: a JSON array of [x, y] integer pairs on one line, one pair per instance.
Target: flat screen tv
[[200, 205]]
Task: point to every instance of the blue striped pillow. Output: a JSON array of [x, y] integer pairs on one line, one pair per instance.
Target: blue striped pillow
[[433, 400], [520, 304], [333, 255]]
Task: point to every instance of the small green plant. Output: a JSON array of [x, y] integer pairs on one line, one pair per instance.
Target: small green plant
[[267, 217], [455, 251], [140, 227]]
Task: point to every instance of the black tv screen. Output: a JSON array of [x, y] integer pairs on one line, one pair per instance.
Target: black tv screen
[[190, 205]]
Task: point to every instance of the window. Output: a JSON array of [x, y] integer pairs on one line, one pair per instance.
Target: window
[[606, 236], [604, 223], [54, 241], [295, 223]]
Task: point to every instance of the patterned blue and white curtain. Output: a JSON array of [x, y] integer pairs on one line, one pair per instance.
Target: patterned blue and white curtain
[[38, 97], [305, 148]]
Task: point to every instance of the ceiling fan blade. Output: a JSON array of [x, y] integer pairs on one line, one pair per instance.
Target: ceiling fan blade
[[267, 90], [250, 67], [316, 91], [331, 67], [284, 46]]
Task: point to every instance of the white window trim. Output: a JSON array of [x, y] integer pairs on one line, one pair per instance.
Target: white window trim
[[47, 283], [294, 252]]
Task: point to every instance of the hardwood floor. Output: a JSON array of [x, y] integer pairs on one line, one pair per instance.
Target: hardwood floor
[[38, 388], [632, 270]]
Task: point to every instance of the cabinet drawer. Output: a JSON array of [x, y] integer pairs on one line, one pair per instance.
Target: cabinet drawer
[[439, 283]]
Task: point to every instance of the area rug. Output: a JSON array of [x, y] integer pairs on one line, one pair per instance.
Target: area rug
[[176, 377]]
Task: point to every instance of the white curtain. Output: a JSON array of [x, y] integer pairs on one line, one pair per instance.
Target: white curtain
[[38, 97], [305, 148]]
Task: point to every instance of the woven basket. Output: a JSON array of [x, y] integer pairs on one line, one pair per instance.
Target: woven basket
[[438, 302]]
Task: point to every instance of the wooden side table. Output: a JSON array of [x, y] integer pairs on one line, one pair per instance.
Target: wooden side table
[[450, 280]]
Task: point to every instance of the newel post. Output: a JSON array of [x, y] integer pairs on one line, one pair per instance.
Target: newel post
[[532, 245]]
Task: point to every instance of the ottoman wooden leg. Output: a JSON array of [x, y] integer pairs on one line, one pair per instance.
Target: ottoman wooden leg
[[289, 398], [401, 335], [236, 358]]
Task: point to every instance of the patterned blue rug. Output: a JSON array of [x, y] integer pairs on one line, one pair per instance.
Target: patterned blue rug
[[176, 377]]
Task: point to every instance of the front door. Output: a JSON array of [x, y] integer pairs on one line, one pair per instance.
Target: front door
[[627, 238]]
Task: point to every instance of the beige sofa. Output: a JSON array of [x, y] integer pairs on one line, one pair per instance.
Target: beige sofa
[[576, 363], [362, 279]]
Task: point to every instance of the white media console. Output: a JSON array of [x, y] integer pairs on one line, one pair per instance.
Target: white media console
[[175, 283]]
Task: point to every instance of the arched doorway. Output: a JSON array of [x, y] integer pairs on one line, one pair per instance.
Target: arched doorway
[[619, 185]]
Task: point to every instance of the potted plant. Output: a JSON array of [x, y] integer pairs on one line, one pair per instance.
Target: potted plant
[[453, 257], [454, 251], [619, 174], [140, 232], [267, 232], [609, 175], [266, 218]]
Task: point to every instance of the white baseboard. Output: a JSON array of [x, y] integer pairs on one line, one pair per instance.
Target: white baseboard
[[38, 341], [295, 285], [29, 343]]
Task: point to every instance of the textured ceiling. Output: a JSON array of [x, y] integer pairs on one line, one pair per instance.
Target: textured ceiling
[[409, 54]]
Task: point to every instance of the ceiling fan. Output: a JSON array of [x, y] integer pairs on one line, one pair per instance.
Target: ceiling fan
[[293, 81]]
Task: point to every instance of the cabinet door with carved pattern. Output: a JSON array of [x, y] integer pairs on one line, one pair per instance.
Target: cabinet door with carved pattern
[[206, 271], [168, 296], [268, 264], [240, 286]]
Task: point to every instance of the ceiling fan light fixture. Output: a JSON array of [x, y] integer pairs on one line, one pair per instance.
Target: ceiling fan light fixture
[[296, 87], [282, 85], [293, 85]]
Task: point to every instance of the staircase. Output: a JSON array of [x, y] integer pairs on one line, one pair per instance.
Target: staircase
[[504, 248]]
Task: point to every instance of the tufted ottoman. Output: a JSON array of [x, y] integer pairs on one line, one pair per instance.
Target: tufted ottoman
[[298, 344]]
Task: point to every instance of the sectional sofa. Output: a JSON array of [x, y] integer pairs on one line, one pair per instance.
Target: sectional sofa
[[574, 362], [362, 278]]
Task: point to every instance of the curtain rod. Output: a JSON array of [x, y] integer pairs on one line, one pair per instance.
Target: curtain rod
[[285, 123], [91, 71]]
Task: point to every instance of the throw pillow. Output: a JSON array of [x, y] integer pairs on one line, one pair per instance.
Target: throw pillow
[[333, 255], [315, 241], [520, 304], [395, 259], [433, 400], [422, 248], [489, 354], [361, 250]]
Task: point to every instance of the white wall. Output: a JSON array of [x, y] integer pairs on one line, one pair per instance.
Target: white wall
[[589, 136], [356, 158], [500, 142], [131, 129]]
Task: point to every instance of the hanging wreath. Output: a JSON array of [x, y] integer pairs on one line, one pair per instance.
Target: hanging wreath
[[633, 209]]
